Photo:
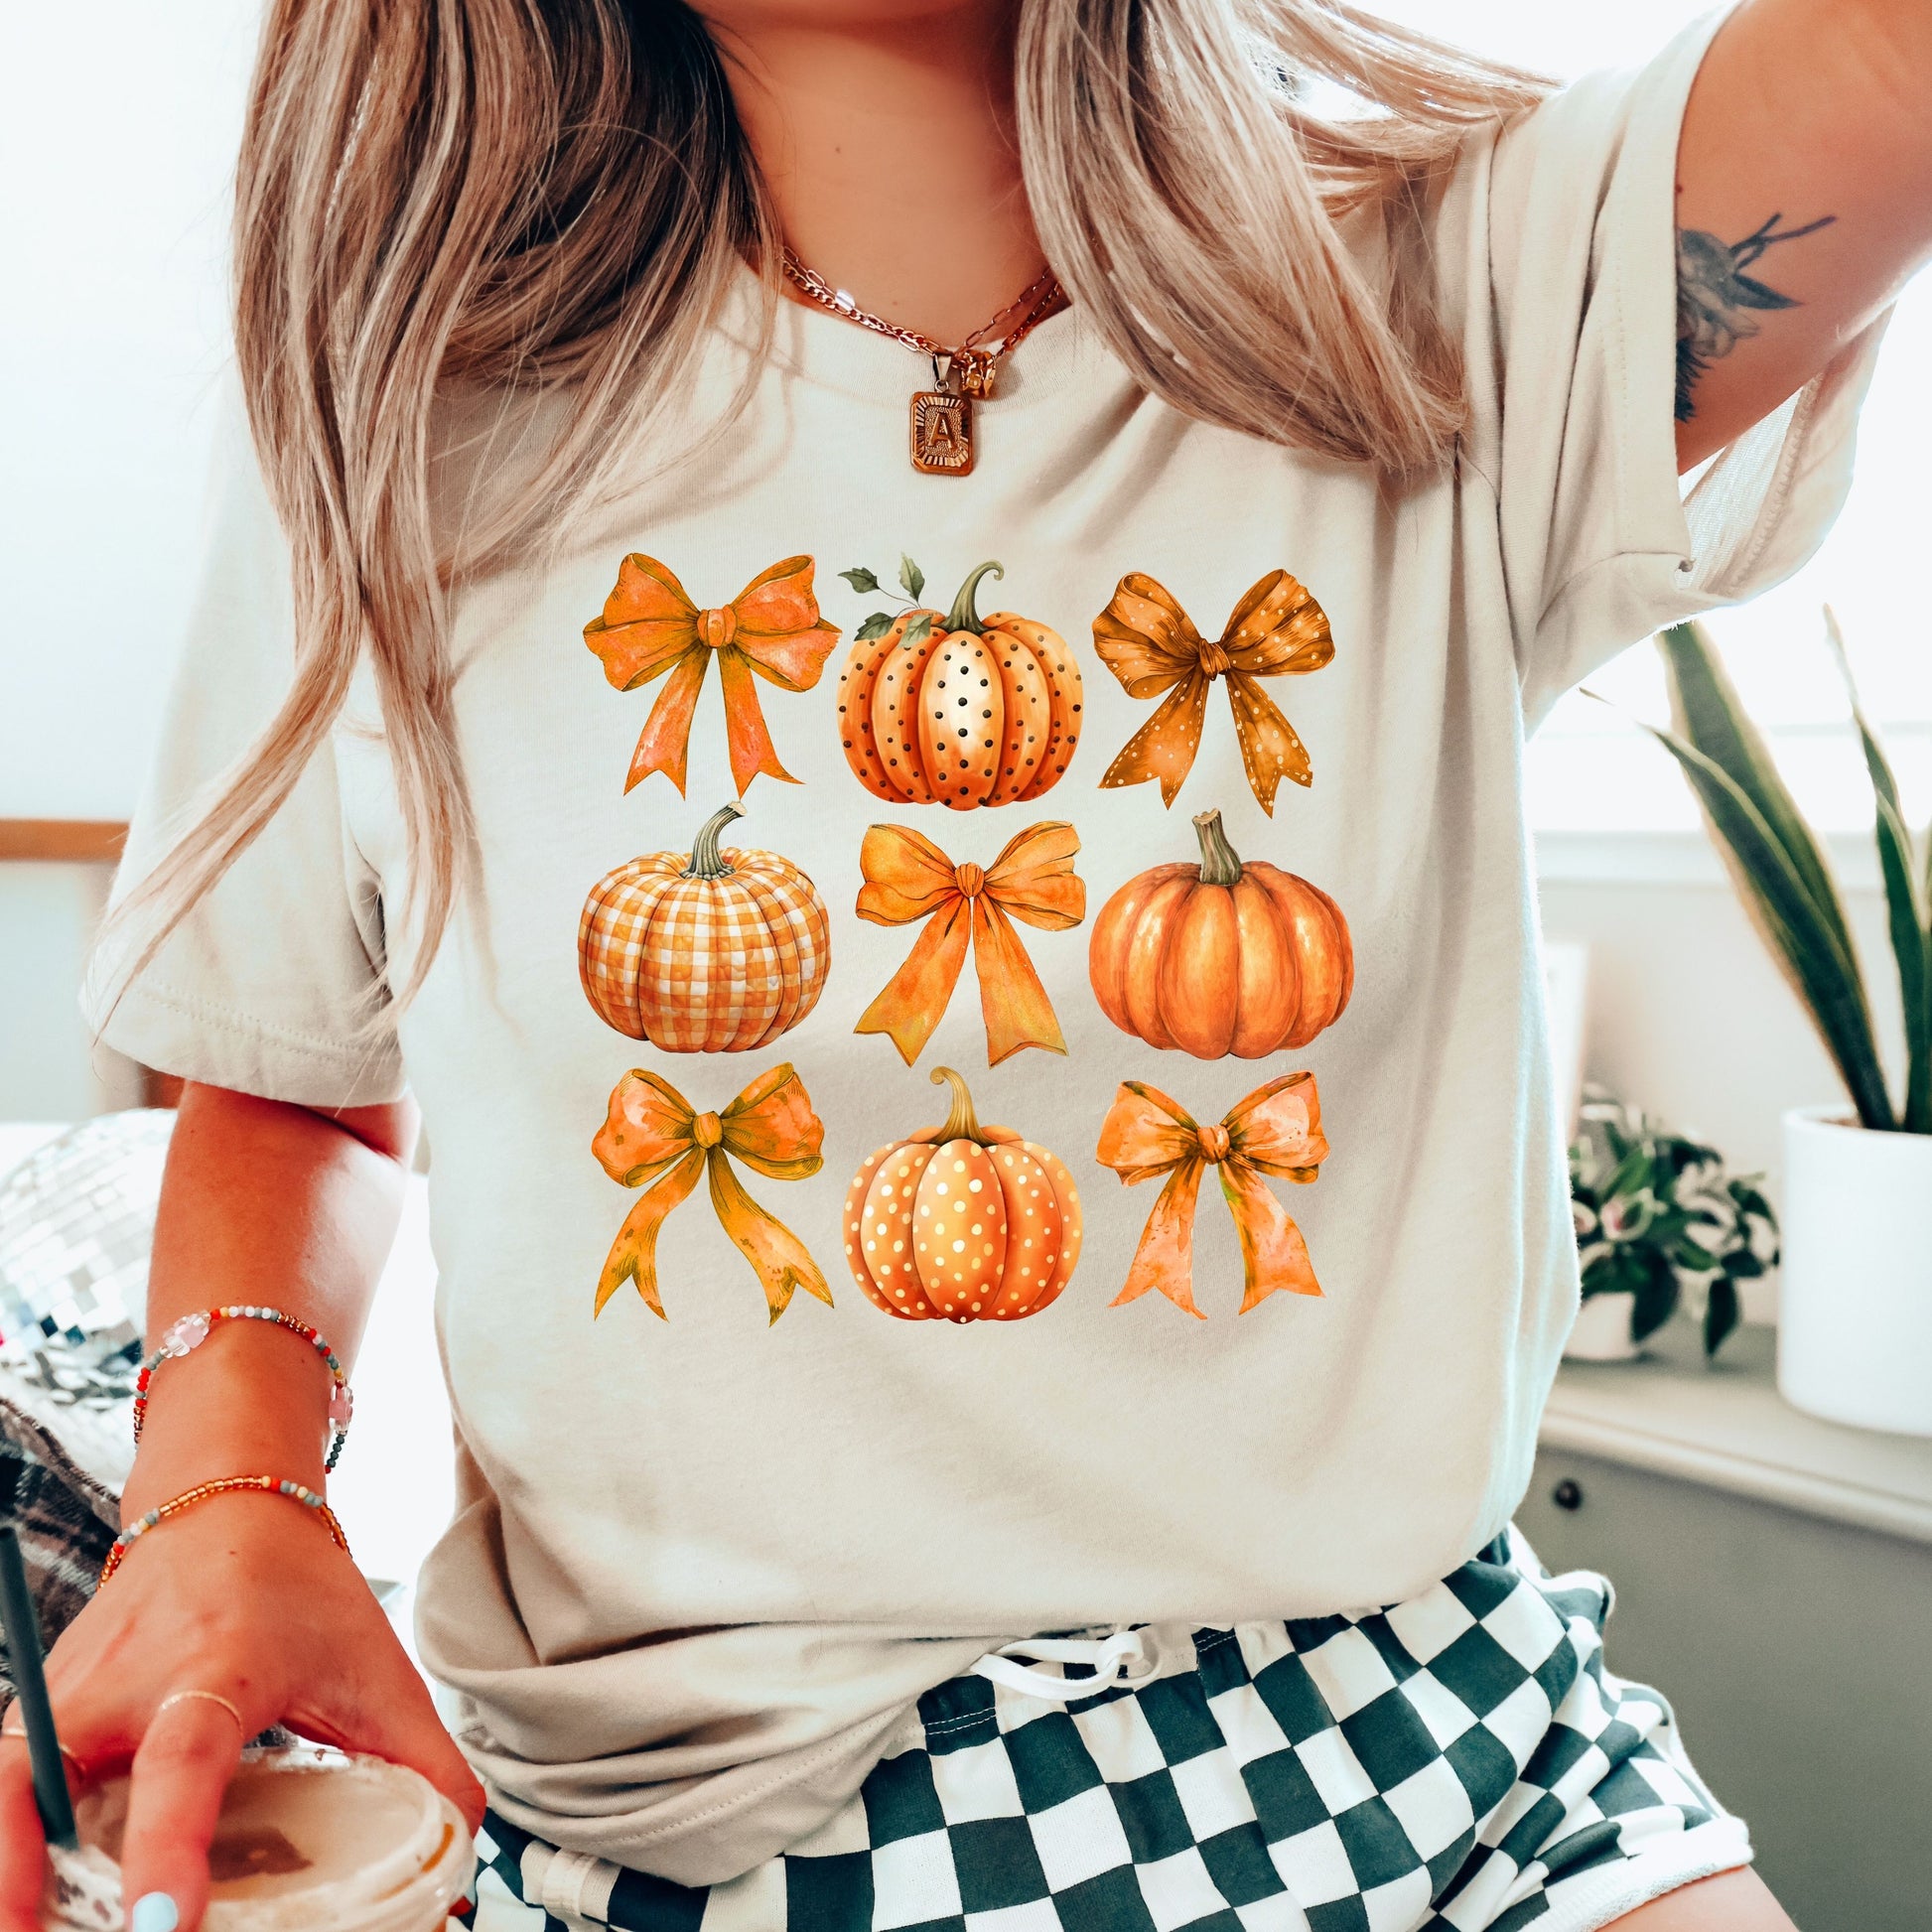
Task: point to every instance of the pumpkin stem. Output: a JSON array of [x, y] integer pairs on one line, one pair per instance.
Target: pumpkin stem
[[962, 615], [1220, 865], [962, 1124], [705, 862]]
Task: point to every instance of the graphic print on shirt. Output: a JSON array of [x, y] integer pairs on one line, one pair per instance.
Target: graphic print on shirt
[[652, 1135], [771, 629], [957, 710], [1223, 957], [1151, 644], [962, 1222], [714, 953], [908, 878], [1276, 1130]]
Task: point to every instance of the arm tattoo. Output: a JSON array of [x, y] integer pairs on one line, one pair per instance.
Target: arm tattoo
[[1715, 297]]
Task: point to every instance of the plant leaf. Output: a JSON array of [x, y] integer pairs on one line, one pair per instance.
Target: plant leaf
[[919, 629], [1706, 711], [1721, 1313], [1656, 1300], [1631, 1174], [875, 626], [861, 579], [1804, 942], [911, 577], [1911, 944], [1695, 1256]]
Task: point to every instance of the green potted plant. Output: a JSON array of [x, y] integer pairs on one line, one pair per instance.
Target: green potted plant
[[1659, 1222], [1854, 1314]]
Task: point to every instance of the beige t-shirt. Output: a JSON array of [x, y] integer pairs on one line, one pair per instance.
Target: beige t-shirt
[[701, 1564]]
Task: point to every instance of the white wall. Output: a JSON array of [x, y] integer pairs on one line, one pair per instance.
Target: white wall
[[119, 123], [47, 1072]]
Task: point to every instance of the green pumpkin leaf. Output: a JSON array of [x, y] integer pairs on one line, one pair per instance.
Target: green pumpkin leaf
[[911, 577], [919, 630], [875, 626], [860, 580]]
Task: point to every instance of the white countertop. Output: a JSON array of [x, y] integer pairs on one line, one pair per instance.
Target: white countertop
[[1726, 1426]]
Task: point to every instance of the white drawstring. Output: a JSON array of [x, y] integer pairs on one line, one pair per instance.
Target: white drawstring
[[1114, 1659]]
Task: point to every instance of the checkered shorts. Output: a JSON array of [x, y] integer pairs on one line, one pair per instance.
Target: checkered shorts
[[1459, 1761]]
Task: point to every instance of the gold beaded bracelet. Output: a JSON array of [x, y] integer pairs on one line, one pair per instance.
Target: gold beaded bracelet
[[273, 1485]]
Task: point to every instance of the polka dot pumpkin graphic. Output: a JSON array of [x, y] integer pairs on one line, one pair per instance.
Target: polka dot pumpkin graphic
[[962, 1222], [958, 710]]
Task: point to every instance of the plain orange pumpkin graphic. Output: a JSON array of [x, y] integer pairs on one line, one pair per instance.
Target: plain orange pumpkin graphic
[[962, 1222], [1221, 958], [960, 710], [714, 953]]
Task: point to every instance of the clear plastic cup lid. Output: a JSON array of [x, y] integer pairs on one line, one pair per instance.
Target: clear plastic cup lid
[[308, 1839]]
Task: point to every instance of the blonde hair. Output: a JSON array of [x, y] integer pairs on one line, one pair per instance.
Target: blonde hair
[[554, 198]]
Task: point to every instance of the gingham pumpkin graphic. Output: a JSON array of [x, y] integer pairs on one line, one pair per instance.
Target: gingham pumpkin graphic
[[716, 953]]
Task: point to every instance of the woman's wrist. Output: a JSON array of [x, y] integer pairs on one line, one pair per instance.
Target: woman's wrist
[[255, 1484], [191, 1331], [254, 1400]]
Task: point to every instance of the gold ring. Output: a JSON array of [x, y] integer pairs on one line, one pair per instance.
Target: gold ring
[[204, 1697], [79, 1767]]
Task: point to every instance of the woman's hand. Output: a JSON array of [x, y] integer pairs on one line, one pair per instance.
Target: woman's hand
[[245, 1596]]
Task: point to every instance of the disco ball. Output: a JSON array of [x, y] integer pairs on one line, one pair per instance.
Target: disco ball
[[76, 1222]]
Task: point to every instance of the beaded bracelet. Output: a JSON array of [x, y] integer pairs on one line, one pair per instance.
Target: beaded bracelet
[[191, 1330], [274, 1485]]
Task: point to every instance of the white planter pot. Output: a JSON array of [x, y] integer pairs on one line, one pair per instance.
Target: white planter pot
[[1602, 1330], [1854, 1298]]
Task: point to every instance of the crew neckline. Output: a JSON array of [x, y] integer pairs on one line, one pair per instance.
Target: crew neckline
[[822, 348]]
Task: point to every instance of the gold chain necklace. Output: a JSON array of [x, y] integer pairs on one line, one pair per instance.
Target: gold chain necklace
[[941, 419]]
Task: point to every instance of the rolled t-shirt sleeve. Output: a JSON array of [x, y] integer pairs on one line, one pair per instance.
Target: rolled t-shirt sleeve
[[273, 983], [1574, 372]]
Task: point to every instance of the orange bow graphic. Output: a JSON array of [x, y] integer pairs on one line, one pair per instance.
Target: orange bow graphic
[[1277, 1130], [908, 878], [770, 1126], [1150, 643], [651, 627]]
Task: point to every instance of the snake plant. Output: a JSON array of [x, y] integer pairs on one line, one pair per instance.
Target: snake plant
[[1779, 865]]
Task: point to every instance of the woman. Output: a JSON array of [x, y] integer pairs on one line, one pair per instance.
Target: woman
[[1127, 1611]]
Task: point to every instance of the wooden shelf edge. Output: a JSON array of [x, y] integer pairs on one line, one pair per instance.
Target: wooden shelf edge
[[63, 841]]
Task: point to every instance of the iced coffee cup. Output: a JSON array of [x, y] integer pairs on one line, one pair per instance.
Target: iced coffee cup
[[309, 1839]]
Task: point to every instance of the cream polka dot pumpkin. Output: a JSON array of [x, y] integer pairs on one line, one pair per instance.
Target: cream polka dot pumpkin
[[962, 1222], [960, 710]]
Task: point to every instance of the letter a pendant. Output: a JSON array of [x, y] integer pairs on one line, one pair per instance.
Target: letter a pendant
[[942, 432]]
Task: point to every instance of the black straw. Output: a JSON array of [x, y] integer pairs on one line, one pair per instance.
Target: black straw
[[23, 1633]]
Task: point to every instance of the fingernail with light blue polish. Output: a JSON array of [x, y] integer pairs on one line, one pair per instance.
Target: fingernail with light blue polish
[[156, 1912]]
